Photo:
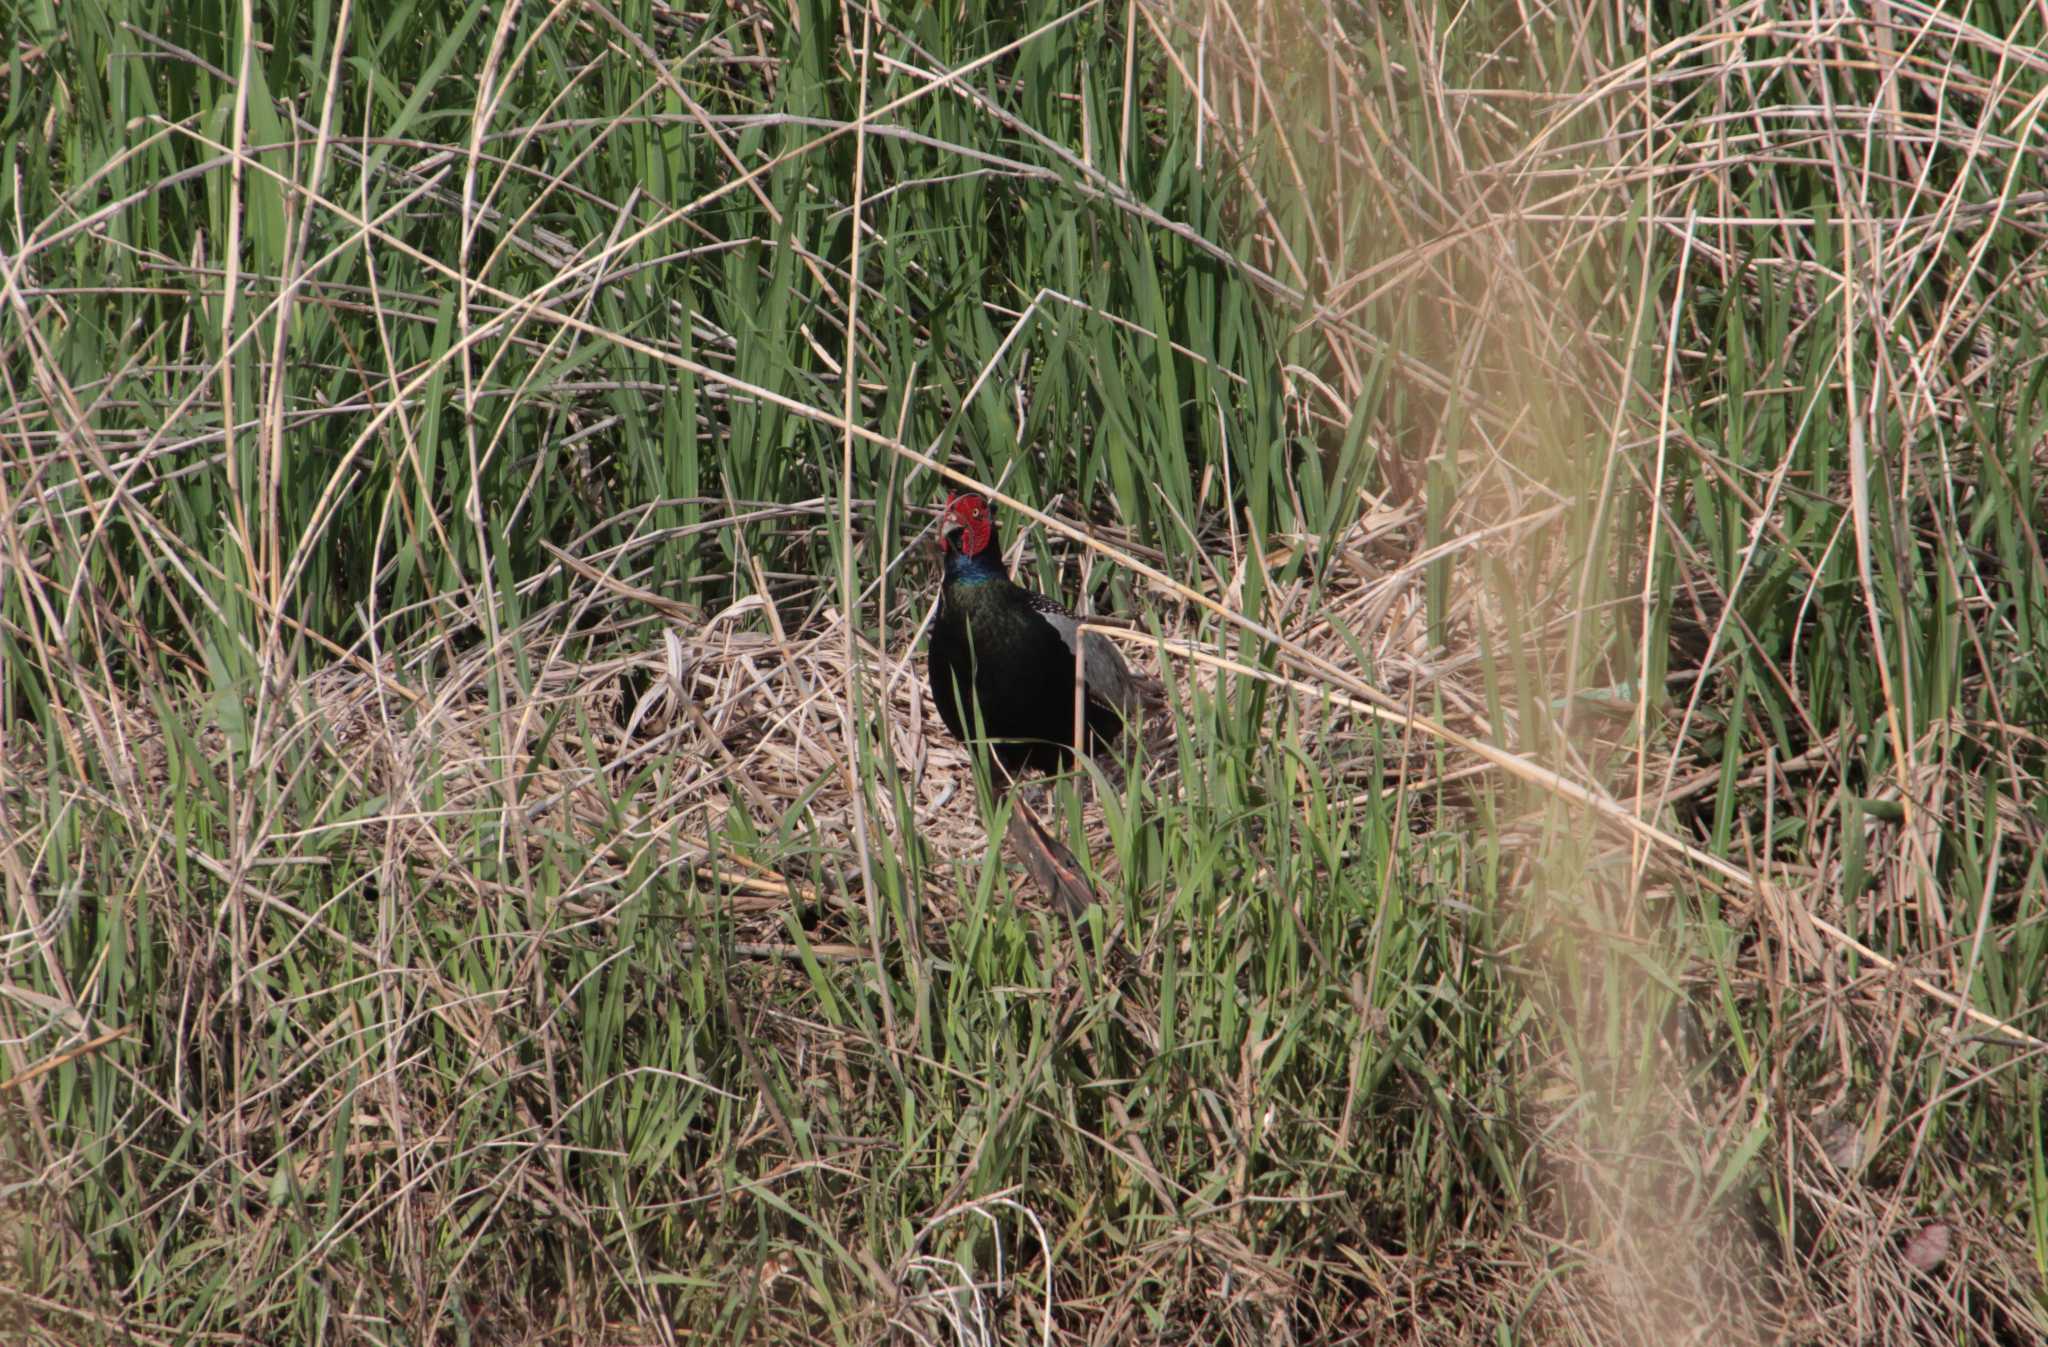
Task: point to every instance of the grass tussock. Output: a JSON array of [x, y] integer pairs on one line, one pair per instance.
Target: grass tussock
[[479, 866]]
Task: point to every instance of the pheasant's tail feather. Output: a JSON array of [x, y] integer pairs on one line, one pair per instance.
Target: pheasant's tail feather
[[1052, 866]]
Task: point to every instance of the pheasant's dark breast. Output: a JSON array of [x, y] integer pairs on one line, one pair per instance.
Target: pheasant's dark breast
[[996, 647]]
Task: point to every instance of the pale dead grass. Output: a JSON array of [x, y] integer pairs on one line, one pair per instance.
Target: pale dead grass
[[1513, 188]]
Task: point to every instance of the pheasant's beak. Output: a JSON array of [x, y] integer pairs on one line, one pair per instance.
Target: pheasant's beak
[[949, 531]]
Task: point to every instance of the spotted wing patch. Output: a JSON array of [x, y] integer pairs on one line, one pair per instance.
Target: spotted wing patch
[[1107, 677], [1050, 607]]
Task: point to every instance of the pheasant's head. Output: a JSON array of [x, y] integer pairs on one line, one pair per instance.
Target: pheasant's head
[[965, 525]]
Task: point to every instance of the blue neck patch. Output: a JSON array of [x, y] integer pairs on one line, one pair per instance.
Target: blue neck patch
[[983, 566]]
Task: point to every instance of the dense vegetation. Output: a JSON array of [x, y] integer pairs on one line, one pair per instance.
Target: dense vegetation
[[479, 865]]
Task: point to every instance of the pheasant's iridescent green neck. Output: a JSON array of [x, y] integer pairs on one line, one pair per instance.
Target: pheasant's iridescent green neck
[[980, 568]]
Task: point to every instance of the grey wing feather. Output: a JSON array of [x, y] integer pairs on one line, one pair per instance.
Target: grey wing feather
[[1102, 667]]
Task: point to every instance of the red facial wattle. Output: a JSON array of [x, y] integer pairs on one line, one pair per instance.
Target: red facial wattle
[[968, 513]]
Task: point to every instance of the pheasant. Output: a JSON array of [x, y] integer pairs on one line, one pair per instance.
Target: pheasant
[[1001, 665], [1008, 653]]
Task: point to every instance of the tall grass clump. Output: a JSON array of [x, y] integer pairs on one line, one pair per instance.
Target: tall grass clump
[[478, 866]]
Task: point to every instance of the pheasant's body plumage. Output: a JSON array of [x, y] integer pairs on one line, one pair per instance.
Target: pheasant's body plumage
[[1008, 653]]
